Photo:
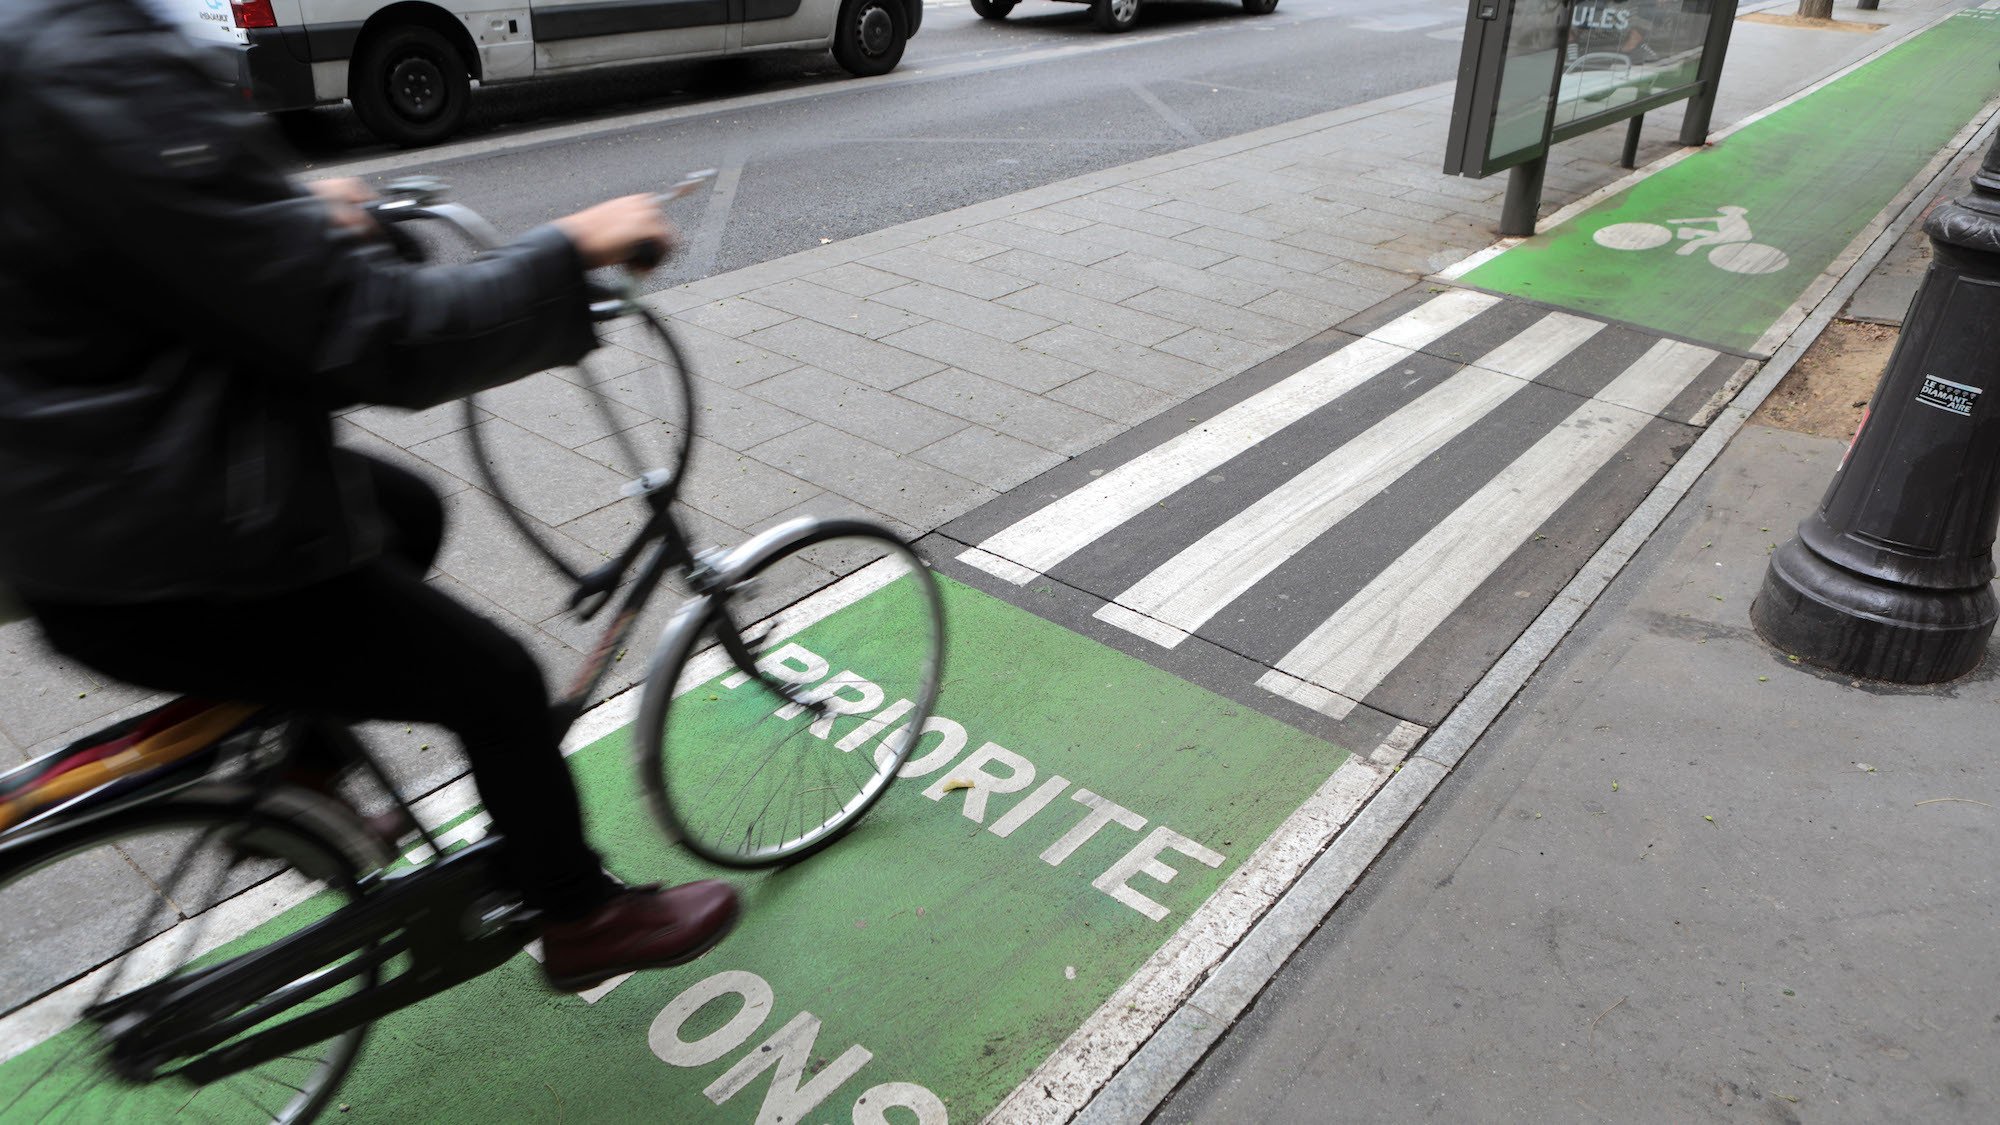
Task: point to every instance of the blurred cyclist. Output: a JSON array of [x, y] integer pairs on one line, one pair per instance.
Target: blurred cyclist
[[177, 321]]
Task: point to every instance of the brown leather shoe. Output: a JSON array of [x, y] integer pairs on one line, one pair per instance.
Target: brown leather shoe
[[640, 928]]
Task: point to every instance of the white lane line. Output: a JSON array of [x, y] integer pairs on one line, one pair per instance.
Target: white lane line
[[1409, 21], [1166, 113], [1058, 531], [1196, 584], [1355, 649], [1092, 1053]]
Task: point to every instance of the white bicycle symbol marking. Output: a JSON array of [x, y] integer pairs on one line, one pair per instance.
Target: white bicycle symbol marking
[[1728, 243]]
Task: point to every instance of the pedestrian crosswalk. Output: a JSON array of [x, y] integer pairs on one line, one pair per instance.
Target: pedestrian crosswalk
[[1332, 526]]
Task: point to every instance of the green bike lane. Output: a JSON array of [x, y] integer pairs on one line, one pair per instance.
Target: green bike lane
[[1069, 811], [1799, 184]]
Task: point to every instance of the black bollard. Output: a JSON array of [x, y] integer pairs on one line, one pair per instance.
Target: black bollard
[[1891, 578]]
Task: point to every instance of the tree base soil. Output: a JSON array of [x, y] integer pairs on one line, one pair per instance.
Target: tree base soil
[[1826, 391]]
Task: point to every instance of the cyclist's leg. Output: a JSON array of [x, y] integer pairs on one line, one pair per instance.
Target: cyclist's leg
[[413, 531], [375, 643]]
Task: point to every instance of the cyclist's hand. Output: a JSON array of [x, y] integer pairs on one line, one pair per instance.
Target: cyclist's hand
[[343, 199], [629, 231]]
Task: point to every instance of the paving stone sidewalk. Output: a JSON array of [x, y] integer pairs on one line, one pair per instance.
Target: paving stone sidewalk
[[913, 373]]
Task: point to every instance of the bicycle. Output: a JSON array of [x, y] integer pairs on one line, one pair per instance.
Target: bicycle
[[271, 928]]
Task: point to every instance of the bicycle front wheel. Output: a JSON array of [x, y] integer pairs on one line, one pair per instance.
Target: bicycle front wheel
[[772, 742], [99, 920]]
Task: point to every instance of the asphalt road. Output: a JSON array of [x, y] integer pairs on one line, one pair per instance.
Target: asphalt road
[[977, 110]]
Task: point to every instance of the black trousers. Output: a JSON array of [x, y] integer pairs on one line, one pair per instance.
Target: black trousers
[[376, 643]]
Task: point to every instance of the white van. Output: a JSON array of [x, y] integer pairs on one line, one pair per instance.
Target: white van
[[408, 65]]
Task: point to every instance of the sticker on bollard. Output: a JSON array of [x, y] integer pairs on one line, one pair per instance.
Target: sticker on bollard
[[1069, 810]]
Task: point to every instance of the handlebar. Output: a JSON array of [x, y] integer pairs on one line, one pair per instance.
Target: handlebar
[[424, 197]]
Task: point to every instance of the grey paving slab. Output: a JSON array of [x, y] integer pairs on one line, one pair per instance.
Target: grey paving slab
[[546, 480], [740, 419], [1186, 279], [856, 279], [832, 505], [609, 530], [1121, 321], [895, 423], [738, 489], [410, 427], [559, 410], [1218, 351], [917, 264], [1229, 243], [857, 357], [1228, 320], [960, 247], [1338, 292], [1181, 248], [1155, 369], [1064, 247], [732, 316], [1016, 366], [350, 436], [1053, 221], [1109, 396], [916, 493], [956, 309], [835, 309], [989, 458], [46, 695], [484, 553], [1095, 208], [1302, 311], [1032, 418], [711, 354], [1068, 276]]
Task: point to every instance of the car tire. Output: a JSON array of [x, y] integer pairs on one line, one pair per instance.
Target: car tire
[[1260, 7], [870, 37], [1115, 15], [993, 9], [409, 86]]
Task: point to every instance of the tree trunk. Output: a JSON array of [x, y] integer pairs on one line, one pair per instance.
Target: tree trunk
[[1816, 9]]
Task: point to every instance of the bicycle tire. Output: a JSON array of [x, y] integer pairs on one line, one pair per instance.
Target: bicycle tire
[[645, 417], [305, 858], [719, 757]]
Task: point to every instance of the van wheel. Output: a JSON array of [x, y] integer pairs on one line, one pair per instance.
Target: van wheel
[[1115, 15], [870, 37], [993, 9], [1260, 7], [409, 86]]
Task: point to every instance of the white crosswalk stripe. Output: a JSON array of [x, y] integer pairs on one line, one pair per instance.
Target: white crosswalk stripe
[[1192, 587], [1054, 533], [1506, 463], [1364, 641]]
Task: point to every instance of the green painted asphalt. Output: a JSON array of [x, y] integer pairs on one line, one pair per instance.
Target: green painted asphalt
[[927, 961], [1809, 177]]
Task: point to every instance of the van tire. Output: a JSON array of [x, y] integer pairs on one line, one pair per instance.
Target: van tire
[[1260, 7], [870, 37], [409, 86], [993, 9]]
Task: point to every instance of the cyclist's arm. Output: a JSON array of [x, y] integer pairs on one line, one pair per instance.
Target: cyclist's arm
[[174, 193]]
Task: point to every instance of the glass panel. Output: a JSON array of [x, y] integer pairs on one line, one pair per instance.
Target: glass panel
[[1623, 50], [1521, 112]]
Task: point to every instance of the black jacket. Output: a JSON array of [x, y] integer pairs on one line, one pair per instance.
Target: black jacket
[[177, 320]]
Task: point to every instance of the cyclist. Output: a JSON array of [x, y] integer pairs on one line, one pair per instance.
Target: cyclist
[[177, 322]]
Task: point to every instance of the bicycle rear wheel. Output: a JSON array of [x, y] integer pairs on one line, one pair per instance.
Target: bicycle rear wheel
[[92, 914], [750, 770]]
